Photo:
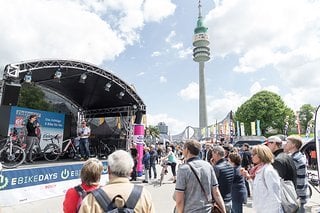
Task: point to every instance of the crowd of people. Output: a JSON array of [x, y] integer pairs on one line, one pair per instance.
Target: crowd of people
[[213, 173]]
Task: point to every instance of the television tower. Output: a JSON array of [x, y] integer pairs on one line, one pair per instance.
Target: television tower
[[201, 54]]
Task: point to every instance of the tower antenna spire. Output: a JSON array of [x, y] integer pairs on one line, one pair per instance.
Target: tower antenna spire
[[199, 6]]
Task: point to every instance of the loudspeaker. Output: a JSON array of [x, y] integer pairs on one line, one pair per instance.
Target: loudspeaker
[[138, 117], [10, 94]]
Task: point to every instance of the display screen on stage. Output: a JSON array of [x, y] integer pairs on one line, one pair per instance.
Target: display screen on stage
[[51, 123]]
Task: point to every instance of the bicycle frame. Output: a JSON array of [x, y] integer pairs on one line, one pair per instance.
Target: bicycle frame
[[70, 143]]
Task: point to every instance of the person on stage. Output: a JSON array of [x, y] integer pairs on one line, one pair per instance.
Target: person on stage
[[84, 133], [32, 138]]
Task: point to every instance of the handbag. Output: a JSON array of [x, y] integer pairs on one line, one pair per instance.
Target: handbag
[[289, 197], [215, 207]]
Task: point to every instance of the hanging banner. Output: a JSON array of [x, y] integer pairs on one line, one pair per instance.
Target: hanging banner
[[238, 128], [138, 137], [253, 128], [258, 128], [242, 133], [317, 136]]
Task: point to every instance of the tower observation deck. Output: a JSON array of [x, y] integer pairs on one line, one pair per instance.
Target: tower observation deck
[[201, 54]]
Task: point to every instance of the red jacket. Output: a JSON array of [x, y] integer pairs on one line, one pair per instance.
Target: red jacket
[[72, 197]]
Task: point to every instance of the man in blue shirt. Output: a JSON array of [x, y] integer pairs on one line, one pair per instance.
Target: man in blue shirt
[[224, 173]]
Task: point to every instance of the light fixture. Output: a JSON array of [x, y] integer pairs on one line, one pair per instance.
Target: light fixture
[[83, 78], [120, 95], [107, 86], [57, 74], [28, 77]]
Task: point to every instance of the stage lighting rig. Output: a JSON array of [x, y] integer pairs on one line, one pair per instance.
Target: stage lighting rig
[[83, 78], [120, 95], [57, 74], [28, 77], [107, 86]]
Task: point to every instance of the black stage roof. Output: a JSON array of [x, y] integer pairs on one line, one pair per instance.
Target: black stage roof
[[100, 94]]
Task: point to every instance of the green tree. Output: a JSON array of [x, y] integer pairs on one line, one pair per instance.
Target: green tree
[[267, 107], [154, 131], [306, 113], [33, 97]]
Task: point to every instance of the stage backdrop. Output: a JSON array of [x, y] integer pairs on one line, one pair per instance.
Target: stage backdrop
[[51, 123]]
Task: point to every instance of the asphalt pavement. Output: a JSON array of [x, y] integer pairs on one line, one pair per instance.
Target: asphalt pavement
[[161, 195]]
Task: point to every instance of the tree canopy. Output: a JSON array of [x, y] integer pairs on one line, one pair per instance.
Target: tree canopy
[[33, 97], [306, 114], [267, 107]]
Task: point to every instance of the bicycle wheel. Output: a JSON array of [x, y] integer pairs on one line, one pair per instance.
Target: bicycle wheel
[[16, 158], [52, 152], [71, 153]]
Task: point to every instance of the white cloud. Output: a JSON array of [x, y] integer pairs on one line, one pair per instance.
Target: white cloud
[[191, 92], [140, 73], [175, 126], [171, 35], [163, 79], [156, 54], [259, 32], [299, 96], [184, 53], [155, 10], [177, 46], [256, 87], [279, 36], [92, 31], [219, 108]]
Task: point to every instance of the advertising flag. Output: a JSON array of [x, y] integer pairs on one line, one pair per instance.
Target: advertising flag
[[253, 128], [317, 136]]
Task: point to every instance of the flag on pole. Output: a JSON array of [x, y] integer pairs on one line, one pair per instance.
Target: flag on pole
[[317, 136]]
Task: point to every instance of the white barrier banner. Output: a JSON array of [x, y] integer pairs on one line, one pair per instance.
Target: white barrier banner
[[30, 184]]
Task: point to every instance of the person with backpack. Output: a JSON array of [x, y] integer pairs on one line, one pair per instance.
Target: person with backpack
[[292, 147], [90, 175], [119, 195]]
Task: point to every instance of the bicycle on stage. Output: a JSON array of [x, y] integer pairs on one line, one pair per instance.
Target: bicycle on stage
[[53, 151], [11, 154], [49, 152]]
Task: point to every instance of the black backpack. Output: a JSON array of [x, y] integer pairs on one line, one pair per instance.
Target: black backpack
[[108, 205], [82, 193]]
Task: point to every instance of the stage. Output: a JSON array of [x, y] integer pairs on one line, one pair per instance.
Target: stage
[[41, 180]]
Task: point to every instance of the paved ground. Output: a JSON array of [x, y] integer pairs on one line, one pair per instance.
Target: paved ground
[[162, 198]]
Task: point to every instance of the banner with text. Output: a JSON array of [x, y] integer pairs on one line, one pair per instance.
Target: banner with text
[[51, 123], [31, 184]]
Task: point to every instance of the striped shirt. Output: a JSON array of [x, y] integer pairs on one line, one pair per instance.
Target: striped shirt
[[300, 162]]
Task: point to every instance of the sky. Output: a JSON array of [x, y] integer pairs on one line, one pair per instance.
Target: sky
[[255, 45]]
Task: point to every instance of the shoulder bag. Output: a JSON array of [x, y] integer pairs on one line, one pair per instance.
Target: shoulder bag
[[215, 207]]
